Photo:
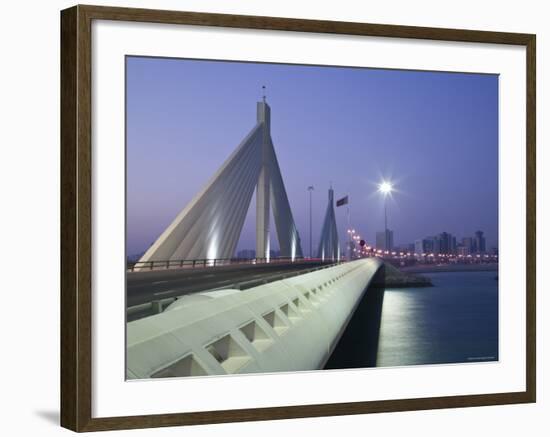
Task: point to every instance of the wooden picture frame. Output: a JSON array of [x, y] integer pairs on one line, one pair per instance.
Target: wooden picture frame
[[76, 218]]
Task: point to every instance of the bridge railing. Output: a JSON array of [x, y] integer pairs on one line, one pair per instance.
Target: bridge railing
[[217, 262], [157, 306]]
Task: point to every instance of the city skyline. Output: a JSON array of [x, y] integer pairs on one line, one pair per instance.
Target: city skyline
[[474, 246], [444, 154]]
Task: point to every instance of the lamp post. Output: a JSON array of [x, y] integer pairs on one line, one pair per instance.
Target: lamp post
[[310, 189], [386, 189]]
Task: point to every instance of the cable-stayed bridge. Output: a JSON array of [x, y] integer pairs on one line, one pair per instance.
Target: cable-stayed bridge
[[246, 304], [206, 231]]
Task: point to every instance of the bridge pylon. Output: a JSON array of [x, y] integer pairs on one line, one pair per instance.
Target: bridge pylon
[[329, 246], [210, 225]]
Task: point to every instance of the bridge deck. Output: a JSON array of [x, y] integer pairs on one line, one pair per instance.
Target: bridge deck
[[288, 325]]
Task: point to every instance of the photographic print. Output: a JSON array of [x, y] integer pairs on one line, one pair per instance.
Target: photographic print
[[284, 218]]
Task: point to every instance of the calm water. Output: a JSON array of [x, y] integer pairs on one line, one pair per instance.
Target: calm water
[[454, 321]]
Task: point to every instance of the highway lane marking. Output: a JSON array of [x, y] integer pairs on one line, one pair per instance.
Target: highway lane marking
[[159, 282], [158, 293]]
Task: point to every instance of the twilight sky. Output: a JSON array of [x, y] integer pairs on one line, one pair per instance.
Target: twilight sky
[[434, 135]]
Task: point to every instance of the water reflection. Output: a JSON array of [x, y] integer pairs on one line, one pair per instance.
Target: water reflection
[[454, 321]]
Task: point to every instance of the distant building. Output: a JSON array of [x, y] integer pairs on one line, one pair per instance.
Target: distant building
[[406, 248], [429, 242], [480, 242], [444, 243], [384, 240], [423, 246], [251, 254], [445, 239], [469, 245], [436, 245], [419, 247], [447, 243], [246, 254]]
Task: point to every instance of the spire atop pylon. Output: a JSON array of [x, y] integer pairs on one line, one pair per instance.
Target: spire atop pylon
[[263, 93]]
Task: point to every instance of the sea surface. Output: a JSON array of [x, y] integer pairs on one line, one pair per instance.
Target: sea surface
[[455, 321]]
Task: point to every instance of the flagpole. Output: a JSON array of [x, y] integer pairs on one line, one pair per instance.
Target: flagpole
[[341, 202]]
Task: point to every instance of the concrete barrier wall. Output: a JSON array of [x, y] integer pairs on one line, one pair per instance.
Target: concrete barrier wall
[[287, 325]]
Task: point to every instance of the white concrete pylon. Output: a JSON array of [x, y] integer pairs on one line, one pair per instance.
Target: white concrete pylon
[[210, 225], [329, 246], [263, 188]]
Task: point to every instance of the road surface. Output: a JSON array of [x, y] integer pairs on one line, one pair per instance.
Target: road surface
[[144, 287]]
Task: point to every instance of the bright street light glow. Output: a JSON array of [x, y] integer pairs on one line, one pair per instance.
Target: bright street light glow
[[385, 187]]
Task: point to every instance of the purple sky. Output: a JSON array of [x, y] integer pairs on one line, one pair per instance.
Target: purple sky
[[435, 135]]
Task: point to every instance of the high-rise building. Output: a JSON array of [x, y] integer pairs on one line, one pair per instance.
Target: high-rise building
[[384, 240], [445, 239], [436, 245], [429, 244], [444, 243], [469, 245], [480, 242], [423, 246]]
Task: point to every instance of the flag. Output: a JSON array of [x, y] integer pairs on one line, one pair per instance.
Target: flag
[[342, 201]]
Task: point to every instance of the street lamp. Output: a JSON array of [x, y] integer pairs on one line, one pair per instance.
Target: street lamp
[[386, 188]]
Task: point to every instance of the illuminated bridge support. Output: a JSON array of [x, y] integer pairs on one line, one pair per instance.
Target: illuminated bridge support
[[329, 246], [209, 227]]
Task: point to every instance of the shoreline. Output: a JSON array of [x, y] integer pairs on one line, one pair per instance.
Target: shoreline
[[446, 268], [391, 277]]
